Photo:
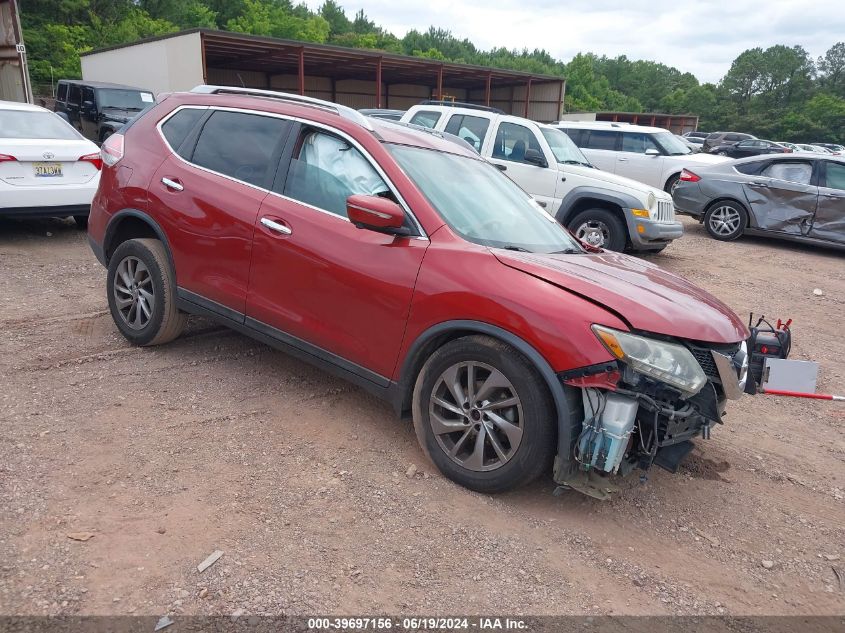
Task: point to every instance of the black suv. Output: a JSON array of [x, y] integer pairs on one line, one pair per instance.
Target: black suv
[[98, 109]]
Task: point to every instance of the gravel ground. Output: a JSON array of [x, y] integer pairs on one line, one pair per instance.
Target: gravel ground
[[216, 442]]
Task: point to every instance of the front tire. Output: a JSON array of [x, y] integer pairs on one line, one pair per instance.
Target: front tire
[[600, 228], [725, 221], [483, 415], [141, 289]]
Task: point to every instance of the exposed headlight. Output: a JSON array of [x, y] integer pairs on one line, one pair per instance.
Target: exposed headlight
[[652, 200], [667, 362]]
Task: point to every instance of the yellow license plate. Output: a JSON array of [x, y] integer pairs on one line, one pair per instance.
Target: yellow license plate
[[48, 170]]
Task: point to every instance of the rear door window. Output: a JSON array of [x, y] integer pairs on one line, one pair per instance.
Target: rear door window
[[602, 139], [791, 171], [241, 146], [472, 129], [425, 118], [74, 95]]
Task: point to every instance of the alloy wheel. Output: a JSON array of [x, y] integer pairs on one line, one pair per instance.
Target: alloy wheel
[[594, 233], [476, 416], [134, 294], [725, 220]]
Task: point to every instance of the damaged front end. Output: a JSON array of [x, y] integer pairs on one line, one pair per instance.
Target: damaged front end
[[645, 407]]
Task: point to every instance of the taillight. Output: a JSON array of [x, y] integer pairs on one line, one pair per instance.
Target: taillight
[[688, 176], [94, 159], [5, 158], [112, 150]]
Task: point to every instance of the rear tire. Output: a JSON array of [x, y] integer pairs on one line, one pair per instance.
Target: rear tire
[[141, 290], [725, 220], [600, 228], [81, 221], [499, 407]]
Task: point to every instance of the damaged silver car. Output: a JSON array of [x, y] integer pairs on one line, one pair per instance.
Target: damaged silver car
[[797, 197]]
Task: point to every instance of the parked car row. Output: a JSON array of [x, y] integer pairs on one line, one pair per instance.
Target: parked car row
[[405, 260], [599, 207]]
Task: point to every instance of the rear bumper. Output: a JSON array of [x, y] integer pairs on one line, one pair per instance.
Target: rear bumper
[[45, 212], [47, 201], [689, 200]]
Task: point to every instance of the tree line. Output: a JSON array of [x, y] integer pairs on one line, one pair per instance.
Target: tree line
[[780, 92]]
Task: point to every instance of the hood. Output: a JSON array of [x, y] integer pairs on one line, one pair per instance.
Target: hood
[[118, 114], [649, 298], [616, 181], [702, 159]]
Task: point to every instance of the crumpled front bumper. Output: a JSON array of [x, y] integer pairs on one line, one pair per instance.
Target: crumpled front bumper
[[646, 233]]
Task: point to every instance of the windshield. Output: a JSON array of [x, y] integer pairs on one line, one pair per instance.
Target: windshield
[[671, 144], [124, 99], [563, 148], [481, 204], [28, 124]]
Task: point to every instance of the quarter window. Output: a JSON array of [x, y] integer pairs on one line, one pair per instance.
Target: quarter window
[[240, 145], [472, 129], [835, 176], [512, 141], [177, 128], [425, 118], [798, 171], [326, 170]]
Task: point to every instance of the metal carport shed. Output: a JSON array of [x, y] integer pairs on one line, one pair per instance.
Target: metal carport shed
[[354, 77]]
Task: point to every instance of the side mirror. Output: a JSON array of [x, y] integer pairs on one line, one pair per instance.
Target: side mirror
[[63, 115], [376, 214], [88, 105], [652, 152], [534, 157]]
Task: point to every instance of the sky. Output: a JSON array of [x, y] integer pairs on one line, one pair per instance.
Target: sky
[[698, 36]]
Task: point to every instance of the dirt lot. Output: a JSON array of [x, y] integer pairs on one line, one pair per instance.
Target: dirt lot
[[218, 442]]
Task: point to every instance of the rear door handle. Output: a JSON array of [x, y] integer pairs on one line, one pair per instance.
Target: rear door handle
[[172, 184], [276, 226], [623, 160], [832, 195], [759, 184]]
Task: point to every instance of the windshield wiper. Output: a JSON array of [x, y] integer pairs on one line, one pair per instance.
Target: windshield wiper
[[513, 247], [568, 251]]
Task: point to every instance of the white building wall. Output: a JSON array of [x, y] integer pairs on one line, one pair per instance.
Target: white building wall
[[161, 66]]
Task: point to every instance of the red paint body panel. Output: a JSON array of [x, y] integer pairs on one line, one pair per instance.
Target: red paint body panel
[[650, 298], [209, 225], [344, 289]]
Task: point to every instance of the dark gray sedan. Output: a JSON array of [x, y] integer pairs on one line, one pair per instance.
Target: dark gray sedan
[[794, 196]]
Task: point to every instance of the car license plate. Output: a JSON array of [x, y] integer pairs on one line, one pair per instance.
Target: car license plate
[[48, 170]]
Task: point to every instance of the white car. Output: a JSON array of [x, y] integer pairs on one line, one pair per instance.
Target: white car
[[651, 155], [600, 208], [47, 168]]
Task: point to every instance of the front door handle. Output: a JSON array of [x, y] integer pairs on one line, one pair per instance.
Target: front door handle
[[623, 160], [759, 184], [832, 195], [276, 226], [500, 167], [175, 185]]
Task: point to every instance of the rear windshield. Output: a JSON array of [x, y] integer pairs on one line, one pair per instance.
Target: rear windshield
[[24, 124], [124, 99]]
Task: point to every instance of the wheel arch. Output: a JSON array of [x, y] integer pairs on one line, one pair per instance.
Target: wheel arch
[[672, 176], [438, 335], [129, 224]]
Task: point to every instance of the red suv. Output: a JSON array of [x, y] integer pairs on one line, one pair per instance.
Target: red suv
[[400, 260]]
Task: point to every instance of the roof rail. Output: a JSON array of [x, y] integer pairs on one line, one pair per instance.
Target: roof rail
[[460, 104], [344, 111]]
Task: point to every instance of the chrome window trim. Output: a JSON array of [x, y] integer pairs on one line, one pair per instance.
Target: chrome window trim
[[373, 163]]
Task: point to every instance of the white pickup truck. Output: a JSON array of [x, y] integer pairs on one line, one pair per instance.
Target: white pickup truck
[[599, 207]]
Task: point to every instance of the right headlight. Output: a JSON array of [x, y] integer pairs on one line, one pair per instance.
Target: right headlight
[[668, 362]]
